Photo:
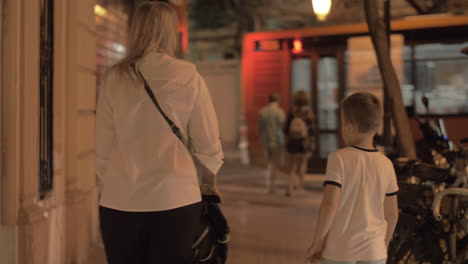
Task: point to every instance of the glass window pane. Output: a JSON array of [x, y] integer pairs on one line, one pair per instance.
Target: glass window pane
[[328, 143], [301, 75], [441, 75], [439, 51], [327, 93]]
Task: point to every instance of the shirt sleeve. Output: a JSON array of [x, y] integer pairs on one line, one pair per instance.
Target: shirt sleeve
[[392, 187], [334, 173], [105, 132], [203, 128]]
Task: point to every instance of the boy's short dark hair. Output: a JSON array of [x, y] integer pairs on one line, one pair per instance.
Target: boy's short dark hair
[[363, 110]]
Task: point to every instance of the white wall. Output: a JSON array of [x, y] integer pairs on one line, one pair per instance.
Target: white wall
[[223, 80]]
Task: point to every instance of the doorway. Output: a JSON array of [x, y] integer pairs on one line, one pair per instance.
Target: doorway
[[320, 72]]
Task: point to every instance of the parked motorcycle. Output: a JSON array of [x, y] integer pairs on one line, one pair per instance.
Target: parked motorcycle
[[435, 147], [433, 224], [433, 201]]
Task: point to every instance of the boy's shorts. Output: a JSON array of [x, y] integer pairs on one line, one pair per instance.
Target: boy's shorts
[[327, 261]]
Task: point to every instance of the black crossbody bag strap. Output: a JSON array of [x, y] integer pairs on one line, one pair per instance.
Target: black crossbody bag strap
[[171, 124]]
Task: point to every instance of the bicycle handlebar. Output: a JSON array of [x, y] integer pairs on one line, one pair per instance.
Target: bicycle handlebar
[[440, 195]]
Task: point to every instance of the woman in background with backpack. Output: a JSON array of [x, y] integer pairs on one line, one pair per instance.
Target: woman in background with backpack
[[299, 131]]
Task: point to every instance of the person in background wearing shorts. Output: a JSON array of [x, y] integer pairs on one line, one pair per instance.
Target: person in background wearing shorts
[[299, 130], [359, 210], [270, 123]]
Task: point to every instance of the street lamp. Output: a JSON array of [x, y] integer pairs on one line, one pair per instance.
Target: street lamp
[[321, 8]]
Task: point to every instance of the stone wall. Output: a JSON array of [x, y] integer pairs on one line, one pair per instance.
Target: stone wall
[[59, 227], [81, 191], [7, 233]]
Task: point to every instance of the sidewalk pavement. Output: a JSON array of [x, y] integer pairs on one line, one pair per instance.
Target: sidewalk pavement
[[267, 228]]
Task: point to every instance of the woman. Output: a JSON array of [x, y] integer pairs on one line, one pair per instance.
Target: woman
[[150, 202], [299, 131]]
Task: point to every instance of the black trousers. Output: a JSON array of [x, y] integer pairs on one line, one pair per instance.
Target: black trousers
[[163, 237]]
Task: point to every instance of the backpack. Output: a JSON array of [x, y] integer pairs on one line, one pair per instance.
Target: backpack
[[297, 128]]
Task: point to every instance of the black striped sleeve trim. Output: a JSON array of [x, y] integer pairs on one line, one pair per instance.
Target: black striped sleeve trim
[[392, 194], [332, 183]]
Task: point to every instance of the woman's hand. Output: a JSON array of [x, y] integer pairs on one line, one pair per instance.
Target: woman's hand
[[209, 187], [314, 254]]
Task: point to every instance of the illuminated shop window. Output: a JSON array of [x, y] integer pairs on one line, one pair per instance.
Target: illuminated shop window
[[440, 72]]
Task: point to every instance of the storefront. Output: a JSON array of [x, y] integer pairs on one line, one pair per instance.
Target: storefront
[[330, 62]]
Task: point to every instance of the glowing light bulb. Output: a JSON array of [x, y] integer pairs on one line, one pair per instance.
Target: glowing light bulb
[[100, 11], [297, 46], [321, 8]]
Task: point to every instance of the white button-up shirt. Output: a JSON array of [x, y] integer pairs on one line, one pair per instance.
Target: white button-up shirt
[[141, 164]]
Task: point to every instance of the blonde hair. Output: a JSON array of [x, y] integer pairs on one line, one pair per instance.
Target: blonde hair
[[363, 110], [154, 28]]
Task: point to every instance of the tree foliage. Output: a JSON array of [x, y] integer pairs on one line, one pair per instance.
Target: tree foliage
[[209, 14], [215, 14]]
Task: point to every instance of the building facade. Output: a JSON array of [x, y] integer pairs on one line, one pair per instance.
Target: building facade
[[48, 188], [54, 54]]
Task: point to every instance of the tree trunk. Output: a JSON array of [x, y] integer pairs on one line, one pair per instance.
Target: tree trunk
[[377, 31]]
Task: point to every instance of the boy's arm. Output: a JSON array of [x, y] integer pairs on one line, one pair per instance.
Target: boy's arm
[[328, 209], [391, 216]]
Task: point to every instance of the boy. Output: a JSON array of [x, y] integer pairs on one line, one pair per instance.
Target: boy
[[359, 210]]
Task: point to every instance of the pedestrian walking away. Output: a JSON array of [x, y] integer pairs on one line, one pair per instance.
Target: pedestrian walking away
[[270, 122], [150, 202], [299, 130]]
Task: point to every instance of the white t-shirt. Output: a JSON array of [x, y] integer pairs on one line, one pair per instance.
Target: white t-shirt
[[142, 165], [365, 178]]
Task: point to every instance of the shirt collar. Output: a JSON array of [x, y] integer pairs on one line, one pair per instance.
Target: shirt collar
[[363, 149]]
